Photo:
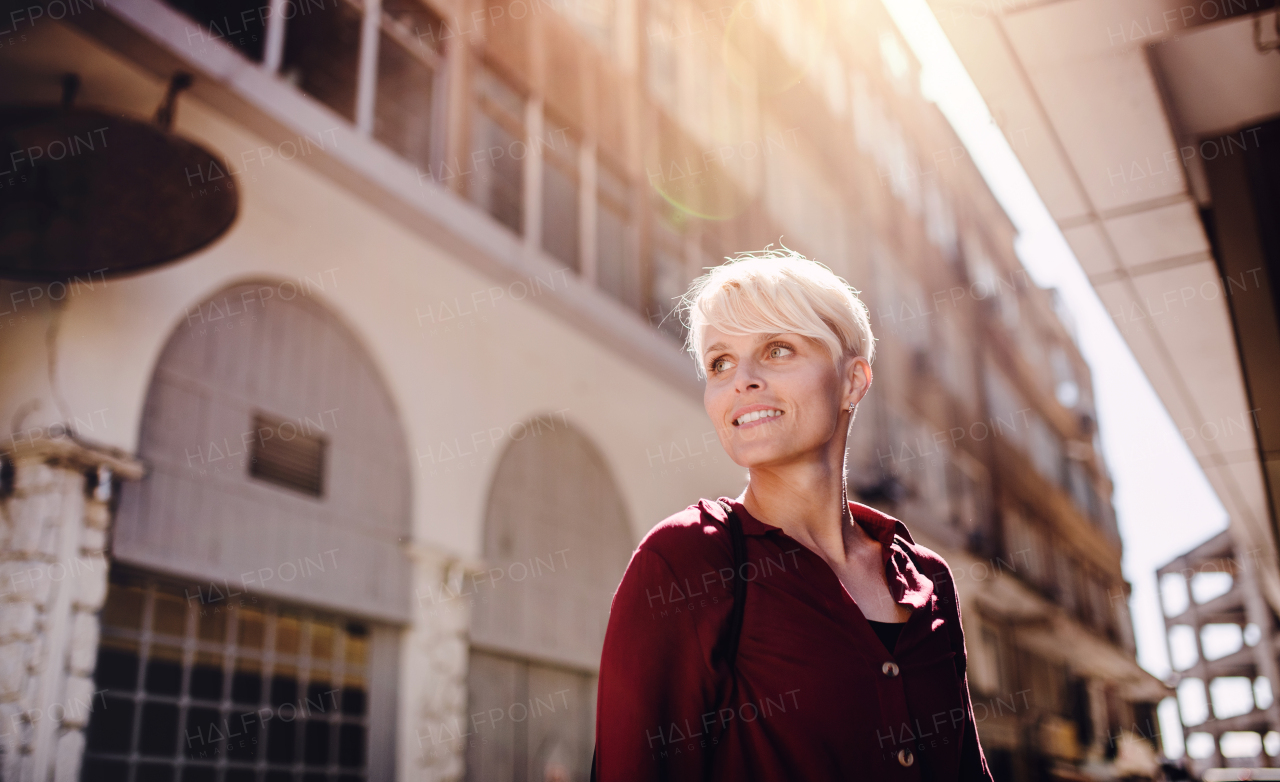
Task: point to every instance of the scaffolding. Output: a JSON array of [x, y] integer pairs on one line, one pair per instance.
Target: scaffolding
[[1242, 605]]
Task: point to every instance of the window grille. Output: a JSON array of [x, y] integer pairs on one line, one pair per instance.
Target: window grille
[[204, 683], [287, 454]]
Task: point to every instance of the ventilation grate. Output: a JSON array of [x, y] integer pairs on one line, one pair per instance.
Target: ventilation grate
[[288, 455]]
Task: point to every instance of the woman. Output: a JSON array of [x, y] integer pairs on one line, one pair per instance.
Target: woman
[[828, 647]]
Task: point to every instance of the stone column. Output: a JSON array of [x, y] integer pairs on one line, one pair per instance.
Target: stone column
[[435, 669], [53, 580]]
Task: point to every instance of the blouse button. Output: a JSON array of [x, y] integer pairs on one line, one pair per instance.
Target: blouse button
[[905, 758], [890, 669]]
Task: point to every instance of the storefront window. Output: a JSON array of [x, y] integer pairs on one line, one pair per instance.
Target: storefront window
[[205, 682]]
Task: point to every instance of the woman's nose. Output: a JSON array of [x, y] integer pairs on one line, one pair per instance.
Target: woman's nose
[[748, 377]]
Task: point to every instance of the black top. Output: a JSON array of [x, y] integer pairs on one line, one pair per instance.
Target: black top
[[888, 633]]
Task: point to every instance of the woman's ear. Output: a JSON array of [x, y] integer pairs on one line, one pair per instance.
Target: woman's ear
[[857, 378]]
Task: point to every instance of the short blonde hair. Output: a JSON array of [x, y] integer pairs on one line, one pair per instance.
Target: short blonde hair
[[777, 291]]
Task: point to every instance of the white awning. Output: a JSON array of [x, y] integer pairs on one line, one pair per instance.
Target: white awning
[[1114, 101]]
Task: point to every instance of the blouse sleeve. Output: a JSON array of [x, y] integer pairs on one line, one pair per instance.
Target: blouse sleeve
[[655, 714], [973, 763]]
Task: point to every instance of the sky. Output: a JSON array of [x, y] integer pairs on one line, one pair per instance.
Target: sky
[[1164, 504]]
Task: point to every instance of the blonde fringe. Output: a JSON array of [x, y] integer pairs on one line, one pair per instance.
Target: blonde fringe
[[777, 291]]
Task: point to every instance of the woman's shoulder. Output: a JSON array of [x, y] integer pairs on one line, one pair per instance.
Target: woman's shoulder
[[694, 537], [932, 565], [927, 560]]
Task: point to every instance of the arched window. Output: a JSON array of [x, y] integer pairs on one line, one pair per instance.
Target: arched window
[[257, 580], [556, 541]]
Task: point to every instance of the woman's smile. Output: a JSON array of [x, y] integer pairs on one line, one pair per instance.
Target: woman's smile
[[755, 415]]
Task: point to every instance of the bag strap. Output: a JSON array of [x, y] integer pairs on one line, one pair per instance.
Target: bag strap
[[738, 543]]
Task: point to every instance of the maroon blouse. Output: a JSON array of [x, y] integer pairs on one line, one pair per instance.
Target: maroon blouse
[[817, 697]]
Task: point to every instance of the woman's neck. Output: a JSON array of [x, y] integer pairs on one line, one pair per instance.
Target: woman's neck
[[808, 502]]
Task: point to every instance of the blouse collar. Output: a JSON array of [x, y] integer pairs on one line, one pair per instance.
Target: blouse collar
[[906, 582], [880, 526]]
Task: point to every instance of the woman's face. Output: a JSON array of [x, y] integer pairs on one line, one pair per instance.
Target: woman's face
[[779, 398]]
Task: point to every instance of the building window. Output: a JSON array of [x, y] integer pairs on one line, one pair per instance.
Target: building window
[[288, 455], [1083, 492], [201, 682], [322, 53], [670, 277], [801, 197], [560, 201], [661, 33], [498, 149], [834, 88], [614, 262], [1070, 590], [1104, 601], [955, 361], [939, 220], [409, 60], [1027, 546], [1047, 452], [237, 23], [967, 489], [1011, 417], [1065, 387], [993, 654], [595, 19], [897, 65]]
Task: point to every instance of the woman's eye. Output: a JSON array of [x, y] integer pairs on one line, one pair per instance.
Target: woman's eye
[[720, 365], [779, 351]]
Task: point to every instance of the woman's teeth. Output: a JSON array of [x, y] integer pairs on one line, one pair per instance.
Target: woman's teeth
[[756, 416]]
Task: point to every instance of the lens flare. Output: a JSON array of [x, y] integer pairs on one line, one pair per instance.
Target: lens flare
[[702, 183], [771, 45]]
